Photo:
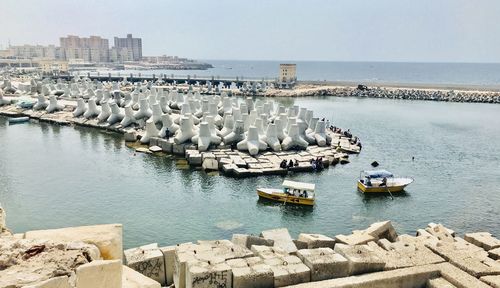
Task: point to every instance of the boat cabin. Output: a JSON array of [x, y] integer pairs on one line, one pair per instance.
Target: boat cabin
[[298, 189]]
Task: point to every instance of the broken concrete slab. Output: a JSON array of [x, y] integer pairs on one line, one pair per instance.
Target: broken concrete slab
[[483, 239], [251, 272], [354, 239], [281, 239], [134, 279], [99, 274], [316, 240], [249, 240]]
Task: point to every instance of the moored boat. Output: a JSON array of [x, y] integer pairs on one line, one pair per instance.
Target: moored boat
[[292, 192], [381, 181]]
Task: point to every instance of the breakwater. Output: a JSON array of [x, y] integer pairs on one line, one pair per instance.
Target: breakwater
[[238, 136], [463, 96], [377, 256]]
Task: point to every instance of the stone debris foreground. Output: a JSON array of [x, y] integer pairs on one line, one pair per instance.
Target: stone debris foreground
[[239, 136], [87, 257]]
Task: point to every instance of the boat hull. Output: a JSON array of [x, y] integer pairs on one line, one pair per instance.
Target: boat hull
[[284, 198], [384, 189]]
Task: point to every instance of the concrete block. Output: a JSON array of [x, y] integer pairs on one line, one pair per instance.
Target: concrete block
[[493, 281], [178, 149], [288, 270], [300, 244], [381, 230], [251, 273], [153, 141], [165, 145], [440, 232], [361, 258], [483, 239], [316, 240], [57, 282], [99, 274], [494, 254], [450, 231], [194, 159], [249, 240], [281, 239], [210, 164], [224, 161], [207, 155], [130, 136], [439, 283], [205, 275], [225, 249], [324, 263], [169, 259], [147, 260], [108, 237], [354, 239], [134, 279], [266, 252]]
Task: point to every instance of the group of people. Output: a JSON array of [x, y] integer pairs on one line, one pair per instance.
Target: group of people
[[368, 182], [286, 165], [296, 193], [317, 163]]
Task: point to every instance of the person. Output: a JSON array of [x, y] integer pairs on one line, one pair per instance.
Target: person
[[413, 158], [167, 134], [290, 164], [296, 164], [384, 182], [283, 164], [368, 182]]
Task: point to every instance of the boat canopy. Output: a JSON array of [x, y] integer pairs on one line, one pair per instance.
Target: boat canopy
[[378, 174], [299, 185]]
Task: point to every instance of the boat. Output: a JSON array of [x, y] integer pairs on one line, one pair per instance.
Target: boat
[[292, 192], [15, 120], [372, 182]]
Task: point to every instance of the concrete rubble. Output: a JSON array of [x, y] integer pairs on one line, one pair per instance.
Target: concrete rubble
[[91, 257]]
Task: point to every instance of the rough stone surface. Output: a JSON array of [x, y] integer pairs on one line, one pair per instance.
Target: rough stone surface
[[251, 273], [147, 260], [493, 281], [288, 270], [483, 239], [316, 240], [361, 258], [354, 239], [57, 282], [108, 237], [249, 240]]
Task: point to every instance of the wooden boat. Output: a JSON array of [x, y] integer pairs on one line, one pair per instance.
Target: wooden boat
[[15, 120], [373, 182], [292, 192]]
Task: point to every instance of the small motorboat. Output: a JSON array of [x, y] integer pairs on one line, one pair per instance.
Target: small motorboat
[[292, 192], [381, 181], [15, 120]]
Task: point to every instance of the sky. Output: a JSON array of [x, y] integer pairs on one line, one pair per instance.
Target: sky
[[311, 30]]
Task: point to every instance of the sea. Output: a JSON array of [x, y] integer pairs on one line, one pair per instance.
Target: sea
[[58, 176], [462, 74]]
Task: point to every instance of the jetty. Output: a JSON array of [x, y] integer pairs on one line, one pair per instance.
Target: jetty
[[376, 256], [238, 136]]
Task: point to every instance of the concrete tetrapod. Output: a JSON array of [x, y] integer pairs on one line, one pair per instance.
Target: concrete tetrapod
[[98, 96], [80, 108], [260, 127], [92, 110], [127, 99], [151, 131], [135, 101], [41, 103], [5, 101], [228, 126], [116, 114], [237, 134], [105, 112], [156, 117], [164, 105], [212, 110], [280, 132], [144, 111], [312, 125], [167, 122], [252, 143], [129, 116], [53, 105], [271, 137], [186, 130], [205, 138], [236, 114], [320, 134], [294, 140]]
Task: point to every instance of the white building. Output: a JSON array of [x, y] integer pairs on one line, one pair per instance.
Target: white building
[[288, 75]]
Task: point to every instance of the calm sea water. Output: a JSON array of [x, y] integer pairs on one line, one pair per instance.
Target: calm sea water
[[373, 72], [52, 176]]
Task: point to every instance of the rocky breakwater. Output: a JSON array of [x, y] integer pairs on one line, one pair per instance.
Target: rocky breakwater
[[236, 135], [389, 93]]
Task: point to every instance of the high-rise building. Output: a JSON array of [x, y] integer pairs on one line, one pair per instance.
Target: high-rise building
[[133, 44], [92, 49]]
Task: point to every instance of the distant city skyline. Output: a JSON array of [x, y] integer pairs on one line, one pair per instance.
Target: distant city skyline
[[383, 30]]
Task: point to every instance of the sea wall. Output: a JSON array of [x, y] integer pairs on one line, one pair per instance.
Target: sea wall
[[377, 256]]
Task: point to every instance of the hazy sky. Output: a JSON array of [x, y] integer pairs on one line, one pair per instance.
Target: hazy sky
[[343, 30]]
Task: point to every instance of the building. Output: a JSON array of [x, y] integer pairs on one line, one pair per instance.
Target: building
[[35, 51], [120, 55], [93, 49], [132, 44], [288, 75], [53, 66]]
